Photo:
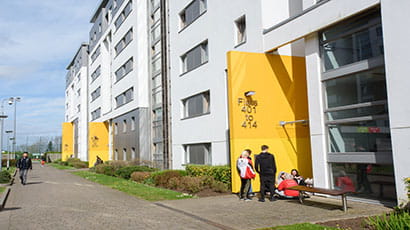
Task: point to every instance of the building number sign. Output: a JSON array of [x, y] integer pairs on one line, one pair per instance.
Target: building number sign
[[248, 109]]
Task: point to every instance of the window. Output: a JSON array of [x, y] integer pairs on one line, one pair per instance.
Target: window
[[124, 69], [96, 93], [195, 57], [96, 114], [78, 92], [78, 108], [240, 27], [352, 41], [116, 154], [96, 53], [196, 105], [132, 123], [124, 126], [195, 9], [156, 33], [123, 42], [198, 154], [124, 154], [96, 73], [125, 97], [123, 15], [115, 128], [99, 28], [133, 156]]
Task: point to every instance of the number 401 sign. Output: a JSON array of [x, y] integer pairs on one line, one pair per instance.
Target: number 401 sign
[[248, 108]]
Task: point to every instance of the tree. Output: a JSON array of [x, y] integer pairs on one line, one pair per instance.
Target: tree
[[50, 146]]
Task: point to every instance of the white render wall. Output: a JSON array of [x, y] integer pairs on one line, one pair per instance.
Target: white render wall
[[216, 25], [397, 61]]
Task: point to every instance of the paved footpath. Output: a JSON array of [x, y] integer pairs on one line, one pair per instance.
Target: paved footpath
[[56, 199]]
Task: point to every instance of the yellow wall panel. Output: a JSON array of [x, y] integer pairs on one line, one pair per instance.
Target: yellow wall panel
[[280, 94], [67, 141], [98, 141]]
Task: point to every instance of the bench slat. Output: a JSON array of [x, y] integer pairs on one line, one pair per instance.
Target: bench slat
[[318, 190]]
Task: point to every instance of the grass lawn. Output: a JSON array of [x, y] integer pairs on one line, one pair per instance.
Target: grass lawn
[[135, 189], [58, 166], [2, 189], [304, 226]]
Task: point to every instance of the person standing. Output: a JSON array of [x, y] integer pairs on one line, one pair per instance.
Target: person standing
[[245, 169], [266, 167], [24, 164]]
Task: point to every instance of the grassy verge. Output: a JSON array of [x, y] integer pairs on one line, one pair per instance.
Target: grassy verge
[[11, 169], [304, 226], [58, 166], [130, 187], [2, 189]]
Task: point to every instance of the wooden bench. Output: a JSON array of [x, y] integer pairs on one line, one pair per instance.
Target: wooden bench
[[332, 192]]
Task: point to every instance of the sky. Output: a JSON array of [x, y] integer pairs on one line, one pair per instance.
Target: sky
[[38, 39]]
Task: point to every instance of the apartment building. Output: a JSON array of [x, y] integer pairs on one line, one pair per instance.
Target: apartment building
[[76, 108], [197, 81]]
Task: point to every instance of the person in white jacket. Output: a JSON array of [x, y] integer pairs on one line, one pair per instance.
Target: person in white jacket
[[246, 172]]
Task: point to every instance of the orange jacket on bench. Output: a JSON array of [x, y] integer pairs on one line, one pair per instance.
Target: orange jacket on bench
[[286, 184]]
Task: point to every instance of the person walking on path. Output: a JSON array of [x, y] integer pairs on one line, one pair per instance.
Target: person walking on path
[[245, 168], [266, 167], [24, 164]]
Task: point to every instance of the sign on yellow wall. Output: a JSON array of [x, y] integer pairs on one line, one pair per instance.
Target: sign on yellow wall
[[264, 89], [67, 141], [97, 142]]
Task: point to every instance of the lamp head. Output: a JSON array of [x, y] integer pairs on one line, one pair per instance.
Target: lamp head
[[11, 100], [249, 93]]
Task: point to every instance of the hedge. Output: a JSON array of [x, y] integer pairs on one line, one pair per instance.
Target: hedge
[[219, 173], [5, 177], [125, 172]]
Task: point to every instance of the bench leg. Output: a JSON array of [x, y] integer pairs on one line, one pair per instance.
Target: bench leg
[[301, 197], [344, 203]]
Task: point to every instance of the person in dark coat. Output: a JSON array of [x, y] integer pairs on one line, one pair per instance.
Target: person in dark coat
[[266, 167], [24, 164]]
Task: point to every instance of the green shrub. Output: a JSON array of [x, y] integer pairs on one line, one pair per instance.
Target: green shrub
[[219, 173], [140, 176], [175, 183], [5, 177], [105, 169], [192, 184], [118, 164], [161, 178], [218, 186], [79, 165], [125, 172], [12, 162], [398, 220]]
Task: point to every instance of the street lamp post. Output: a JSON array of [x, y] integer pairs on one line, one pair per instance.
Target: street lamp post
[[8, 150], [2, 117], [11, 101]]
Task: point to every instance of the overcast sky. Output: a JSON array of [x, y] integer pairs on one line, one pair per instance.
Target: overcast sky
[[38, 38]]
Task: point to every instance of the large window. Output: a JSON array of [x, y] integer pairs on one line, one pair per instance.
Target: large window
[[240, 29], [123, 42], [124, 69], [195, 9], [96, 73], [96, 114], [196, 105], [123, 15], [96, 53], [124, 97], [195, 57], [357, 118], [198, 154], [96, 93]]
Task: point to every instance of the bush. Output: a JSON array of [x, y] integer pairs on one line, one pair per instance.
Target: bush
[[218, 186], [118, 164], [79, 165], [125, 172], [192, 184], [105, 169], [161, 178], [140, 176], [5, 177], [398, 220], [12, 162], [219, 173]]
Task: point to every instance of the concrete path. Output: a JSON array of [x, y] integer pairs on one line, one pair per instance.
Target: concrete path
[[55, 199]]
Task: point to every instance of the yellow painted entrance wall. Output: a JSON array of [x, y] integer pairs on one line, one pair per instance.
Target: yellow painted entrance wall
[[67, 141], [279, 83], [97, 142]]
